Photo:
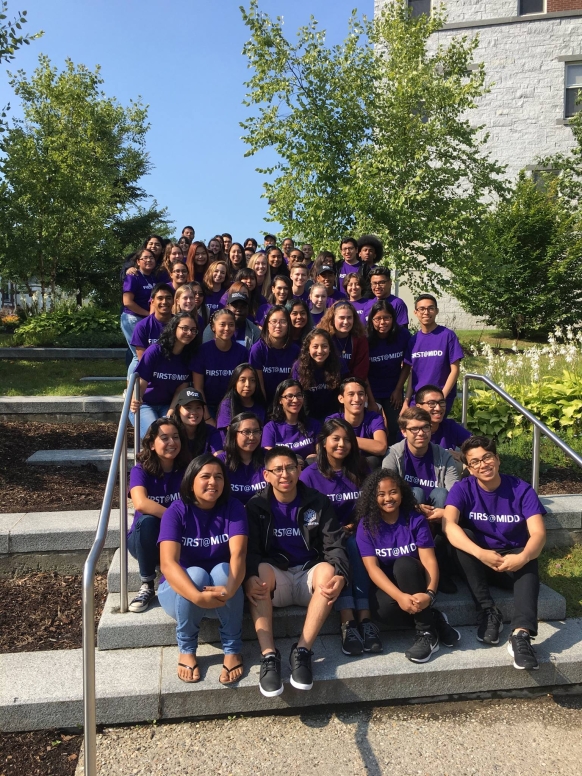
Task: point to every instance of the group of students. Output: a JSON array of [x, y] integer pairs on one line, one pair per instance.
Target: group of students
[[288, 461]]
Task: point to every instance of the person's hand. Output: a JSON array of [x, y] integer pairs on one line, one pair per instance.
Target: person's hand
[[206, 599], [491, 558], [135, 404], [426, 510], [170, 412], [437, 514], [511, 562], [131, 271], [422, 600], [374, 407], [256, 590], [408, 603], [348, 529], [220, 592], [404, 406], [396, 399], [333, 588]]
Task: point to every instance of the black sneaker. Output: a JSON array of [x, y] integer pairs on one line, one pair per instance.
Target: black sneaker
[[448, 635], [270, 683], [300, 662], [370, 636], [489, 625], [425, 643], [352, 642], [144, 598], [520, 648]]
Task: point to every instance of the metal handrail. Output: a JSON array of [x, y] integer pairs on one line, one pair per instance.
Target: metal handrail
[[539, 428], [118, 463]]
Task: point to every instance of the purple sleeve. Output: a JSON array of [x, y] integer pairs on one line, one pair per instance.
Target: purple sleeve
[[139, 337], [197, 362], [420, 530], [223, 415], [531, 505], [407, 358], [458, 496], [454, 348], [295, 371], [306, 477], [364, 542], [129, 284], [138, 478], [377, 423], [214, 440], [145, 368], [172, 523], [401, 311], [257, 355], [269, 435], [237, 518]]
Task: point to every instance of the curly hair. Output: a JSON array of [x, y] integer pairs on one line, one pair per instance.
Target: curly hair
[[231, 397], [382, 306], [266, 336], [167, 338], [277, 413], [232, 454], [353, 466], [328, 320], [367, 509], [149, 458], [307, 366]]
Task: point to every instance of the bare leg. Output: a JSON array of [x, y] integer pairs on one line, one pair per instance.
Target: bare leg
[[262, 613], [319, 607]]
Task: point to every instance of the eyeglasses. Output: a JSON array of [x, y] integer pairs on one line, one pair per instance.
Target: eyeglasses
[[378, 282], [279, 470], [292, 396], [180, 271], [188, 330], [476, 462], [430, 309], [432, 404], [250, 432], [418, 430]]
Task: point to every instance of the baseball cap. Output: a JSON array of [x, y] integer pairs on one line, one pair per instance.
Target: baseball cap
[[238, 296], [188, 395], [326, 268]]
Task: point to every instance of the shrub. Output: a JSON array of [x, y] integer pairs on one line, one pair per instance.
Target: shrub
[[66, 323]]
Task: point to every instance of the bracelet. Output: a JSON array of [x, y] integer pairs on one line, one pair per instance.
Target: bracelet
[[432, 595]]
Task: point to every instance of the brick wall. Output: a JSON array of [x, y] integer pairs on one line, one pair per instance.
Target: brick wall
[[564, 5]]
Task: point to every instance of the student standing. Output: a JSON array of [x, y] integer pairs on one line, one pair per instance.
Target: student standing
[[326, 276], [299, 277], [349, 338], [318, 369], [301, 323], [137, 289], [148, 330], [215, 285], [274, 354], [354, 286], [380, 281], [289, 424], [317, 302], [351, 263], [179, 274]]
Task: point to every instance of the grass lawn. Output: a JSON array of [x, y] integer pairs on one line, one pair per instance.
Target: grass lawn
[[494, 337], [5, 340], [60, 378], [561, 569]]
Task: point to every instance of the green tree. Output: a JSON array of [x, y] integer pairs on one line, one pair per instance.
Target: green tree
[[11, 39], [526, 276], [372, 135], [70, 176], [568, 166]]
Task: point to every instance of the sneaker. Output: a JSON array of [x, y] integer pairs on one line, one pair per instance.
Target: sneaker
[[448, 635], [352, 642], [425, 643], [370, 636], [270, 683], [144, 598], [300, 662], [489, 625], [520, 648]]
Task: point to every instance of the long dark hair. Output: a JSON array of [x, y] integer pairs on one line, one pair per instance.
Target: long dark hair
[[193, 470], [283, 279], [149, 458], [232, 397], [198, 443], [202, 311], [353, 466], [307, 366], [367, 508], [265, 336], [157, 270], [233, 459], [277, 414], [167, 338], [381, 306], [297, 302], [255, 295], [233, 270]]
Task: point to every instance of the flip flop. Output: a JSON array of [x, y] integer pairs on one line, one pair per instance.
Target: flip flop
[[190, 668], [229, 671]]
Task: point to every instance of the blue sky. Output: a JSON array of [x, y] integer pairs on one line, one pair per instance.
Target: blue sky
[[183, 57]]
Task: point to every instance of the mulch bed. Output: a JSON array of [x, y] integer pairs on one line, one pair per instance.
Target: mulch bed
[[39, 753], [42, 611]]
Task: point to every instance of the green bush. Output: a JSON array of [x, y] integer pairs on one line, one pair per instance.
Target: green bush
[[66, 323]]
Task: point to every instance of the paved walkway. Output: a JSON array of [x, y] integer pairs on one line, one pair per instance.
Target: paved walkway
[[505, 737]]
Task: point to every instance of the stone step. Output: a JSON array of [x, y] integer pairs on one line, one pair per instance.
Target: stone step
[[61, 409], [22, 532], [138, 685], [100, 458], [46, 354]]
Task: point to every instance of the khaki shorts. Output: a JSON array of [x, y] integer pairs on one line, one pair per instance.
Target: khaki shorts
[[293, 587]]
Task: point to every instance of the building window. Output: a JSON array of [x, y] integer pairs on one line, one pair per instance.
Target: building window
[[418, 7], [531, 6], [573, 88]]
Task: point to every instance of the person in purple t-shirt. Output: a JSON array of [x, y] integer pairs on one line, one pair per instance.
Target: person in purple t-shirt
[[299, 276], [326, 276], [203, 544], [148, 330], [380, 281], [301, 323], [154, 484], [275, 353], [317, 302], [289, 424], [215, 286], [397, 548], [355, 286], [243, 394], [446, 432], [243, 456], [189, 415], [164, 370], [495, 523], [137, 289], [434, 353], [318, 369], [351, 263]]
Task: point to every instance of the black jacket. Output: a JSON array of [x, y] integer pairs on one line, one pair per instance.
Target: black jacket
[[323, 532]]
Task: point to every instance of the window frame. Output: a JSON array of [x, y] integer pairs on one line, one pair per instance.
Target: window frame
[[531, 13], [568, 89], [430, 5]]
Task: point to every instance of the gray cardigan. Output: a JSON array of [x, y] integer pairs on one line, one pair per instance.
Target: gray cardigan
[[445, 467], [252, 334]]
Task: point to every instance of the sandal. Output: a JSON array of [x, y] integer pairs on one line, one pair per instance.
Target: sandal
[[229, 671], [189, 668]]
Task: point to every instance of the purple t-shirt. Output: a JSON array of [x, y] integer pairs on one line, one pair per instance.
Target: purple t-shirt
[[274, 363], [141, 287], [287, 538], [400, 309], [304, 296], [223, 416], [284, 434], [335, 296], [450, 434], [316, 317], [386, 364], [163, 490], [363, 307], [371, 422], [419, 472], [163, 375], [203, 533], [262, 311], [147, 331], [395, 541], [214, 301], [217, 367], [341, 491], [431, 356], [213, 444], [498, 518], [320, 398], [245, 481], [345, 268]]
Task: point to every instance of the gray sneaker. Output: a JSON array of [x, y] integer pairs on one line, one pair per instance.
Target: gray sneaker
[[144, 598]]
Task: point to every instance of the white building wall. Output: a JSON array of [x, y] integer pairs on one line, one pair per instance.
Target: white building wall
[[477, 10]]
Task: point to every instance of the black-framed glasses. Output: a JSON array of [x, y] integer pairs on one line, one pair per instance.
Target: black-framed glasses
[[291, 468], [432, 403], [419, 430], [291, 396], [188, 329], [476, 462], [250, 432]]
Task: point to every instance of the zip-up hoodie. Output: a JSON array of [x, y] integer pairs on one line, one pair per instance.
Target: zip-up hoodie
[[445, 469], [322, 533]]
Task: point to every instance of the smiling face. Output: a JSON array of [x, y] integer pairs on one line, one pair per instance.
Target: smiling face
[[337, 445], [214, 247], [186, 330], [383, 323], [319, 349], [318, 296], [426, 311], [187, 301], [298, 276], [328, 280], [155, 246], [298, 317], [278, 326], [208, 485], [175, 254], [349, 252], [282, 475], [354, 290], [219, 274], [223, 327], [381, 286], [353, 398], [260, 267], [307, 251], [146, 262], [167, 443], [417, 434], [287, 246], [292, 400], [280, 292], [179, 274], [236, 256], [389, 498], [343, 321], [435, 404], [191, 414], [248, 435], [250, 282], [201, 256], [275, 258], [162, 304], [484, 465]]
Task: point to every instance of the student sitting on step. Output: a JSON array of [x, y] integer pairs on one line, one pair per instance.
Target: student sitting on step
[[445, 432], [494, 522], [296, 557], [203, 543], [397, 548]]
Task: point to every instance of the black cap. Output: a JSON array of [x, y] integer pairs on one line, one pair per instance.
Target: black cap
[[238, 296], [188, 395], [326, 268]]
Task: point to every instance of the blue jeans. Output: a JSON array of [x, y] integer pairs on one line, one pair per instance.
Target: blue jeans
[[437, 498], [147, 414], [188, 616], [355, 594], [128, 323], [142, 543]]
